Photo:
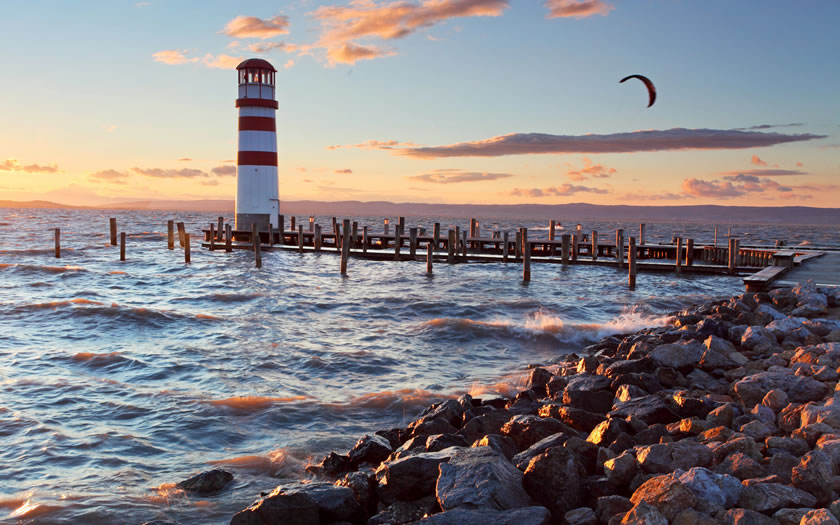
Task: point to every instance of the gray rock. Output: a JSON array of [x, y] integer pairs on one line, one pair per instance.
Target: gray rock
[[581, 516], [814, 474], [480, 478], [402, 512], [719, 345], [462, 516], [655, 459], [740, 466], [411, 477], [555, 479], [644, 514], [609, 506], [666, 493], [747, 517], [678, 355], [277, 507], [819, 517], [335, 503], [370, 449], [770, 497], [650, 409], [522, 459], [361, 485], [772, 312], [758, 337], [790, 516], [207, 482], [719, 489], [480, 426], [799, 389], [622, 469], [527, 430], [501, 444]]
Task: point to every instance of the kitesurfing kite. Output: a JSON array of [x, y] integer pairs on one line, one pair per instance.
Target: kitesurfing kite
[[650, 87]]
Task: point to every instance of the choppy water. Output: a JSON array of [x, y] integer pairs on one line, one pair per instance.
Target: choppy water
[[118, 379]]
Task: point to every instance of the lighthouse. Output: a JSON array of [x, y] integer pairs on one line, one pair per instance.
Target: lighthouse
[[256, 164]]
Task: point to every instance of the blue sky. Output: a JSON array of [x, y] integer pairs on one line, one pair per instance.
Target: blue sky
[[84, 94]]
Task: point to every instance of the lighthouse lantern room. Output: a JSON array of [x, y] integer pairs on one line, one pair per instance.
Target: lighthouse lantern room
[[256, 165]]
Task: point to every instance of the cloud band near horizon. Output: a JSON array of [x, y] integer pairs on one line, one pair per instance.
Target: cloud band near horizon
[[630, 142]]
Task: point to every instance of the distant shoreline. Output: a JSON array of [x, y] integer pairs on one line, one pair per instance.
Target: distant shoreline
[[578, 211]]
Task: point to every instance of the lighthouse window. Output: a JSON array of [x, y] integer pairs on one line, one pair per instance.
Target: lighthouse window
[[241, 76]]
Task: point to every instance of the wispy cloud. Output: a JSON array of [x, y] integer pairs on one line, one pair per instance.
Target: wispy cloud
[[183, 173], [14, 165], [110, 176], [265, 47], [634, 141], [656, 196], [563, 190], [577, 8], [350, 53], [590, 170], [221, 61], [255, 27], [345, 171], [769, 126], [173, 57], [376, 144], [224, 171], [766, 172], [757, 161], [185, 159], [450, 176], [732, 186]]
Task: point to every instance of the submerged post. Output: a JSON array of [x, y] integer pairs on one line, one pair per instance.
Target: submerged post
[[170, 235], [317, 241], [505, 247], [212, 238], [731, 259], [619, 247], [255, 239], [565, 241], [387, 226], [689, 252], [631, 262], [450, 247], [679, 255], [300, 238], [181, 232], [364, 239], [436, 235], [312, 223], [345, 247], [526, 256], [220, 228], [412, 242], [186, 247], [228, 238], [122, 246], [113, 224], [58, 243], [429, 256], [594, 245]]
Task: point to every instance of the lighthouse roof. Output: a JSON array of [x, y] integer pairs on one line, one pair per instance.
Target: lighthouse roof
[[256, 63]]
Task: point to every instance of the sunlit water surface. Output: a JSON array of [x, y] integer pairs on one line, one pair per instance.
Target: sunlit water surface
[[118, 379]]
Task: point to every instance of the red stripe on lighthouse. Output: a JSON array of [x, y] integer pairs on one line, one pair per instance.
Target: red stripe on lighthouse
[[257, 124], [257, 158], [261, 102]]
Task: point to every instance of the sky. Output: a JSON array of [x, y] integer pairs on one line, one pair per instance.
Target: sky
[[443, 101]]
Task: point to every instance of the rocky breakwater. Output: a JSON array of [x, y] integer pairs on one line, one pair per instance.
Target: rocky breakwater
[[727, 415]]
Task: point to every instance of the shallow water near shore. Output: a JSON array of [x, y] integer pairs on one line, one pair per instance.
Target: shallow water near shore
[[118, 379]]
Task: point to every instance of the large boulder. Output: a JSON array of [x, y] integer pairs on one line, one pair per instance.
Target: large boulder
[[462, 516], [747, 517], [718, 489], [526, 430], [814, 474], [666, 493], [770, 497], [522, 459], [370, 449], [411, 477], [643, 513], [799, 389], [480, 478], [758, 338], [278, 507], [678, 355], [207, 482], [555, 479], [650, 409]]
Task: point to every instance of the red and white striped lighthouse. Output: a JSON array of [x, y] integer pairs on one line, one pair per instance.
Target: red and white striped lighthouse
[[256, 165]]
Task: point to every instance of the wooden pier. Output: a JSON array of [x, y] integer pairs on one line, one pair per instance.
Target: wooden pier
[[761, 264]]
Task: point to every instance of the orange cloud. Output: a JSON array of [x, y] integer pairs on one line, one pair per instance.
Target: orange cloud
[[14, 165], [350, 53], [173, 57], [757, 161], [564, 190], [376, 144], [221, 61], [345, 171], [255, 27], [732, 186], [224, 171], [799, 164], [183, 173], [577, 8], [766, 173], [656, 196], [449, 176], [110, 176], [590, 170], [265, 47]]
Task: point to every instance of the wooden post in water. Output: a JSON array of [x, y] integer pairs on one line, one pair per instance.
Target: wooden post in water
[[642, 234], [181, 233], [477, 229], [335, 231], [255, 237], [228, 238], [565, 241], [401, 223], [517, 244], [429, 256], [58, 243], [594, 245], [345, 247], [619, 248], [715, 235], [464, 247], [113, 224], [258, 250], [631, 262], [450, 247], [170, 235], [472, 227], [436, 235], [212, 238], [526, 256], [364, 239], [220, 223], [312, 223], [689, 253], [397, 242], [505, 247], [300, 238], [122, 246], [412, 242], [282, 225], [731, 259], [270, 234], [551, 236], [679, 255], [575, 248], [387, 226], [186, 247], [457, 240], [293, 223], [317, 241], [355, 234]]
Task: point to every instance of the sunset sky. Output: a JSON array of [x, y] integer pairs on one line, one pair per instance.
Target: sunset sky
[[455, 101]]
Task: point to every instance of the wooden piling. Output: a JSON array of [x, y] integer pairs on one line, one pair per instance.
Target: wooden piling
[[212, 237], [477, 229], [387, 226], [429, 257], [170, 235], [551, 226], [257, 250], [186, 248], [228, 238], [364, 239], [464, 247], [345, 247], [113, 224], [412, 242], [181, 232], [526, 256], [335, 231], [220, 223], [281, 223], [517, 245], [401, 224], [355, 235], [679, 255], [594, 245], [565, 241], [457, 240], [312, 223], [450, 247], [505, 247], [58, 243], [122, 246], [732, 256], [575, 247], [619, 248], [255, 237], [436, 235], [397, 242], [270, 234], [715, 235], [293, 223], [472, 227], [317, 240], [631, 262], [689, 253], [300, 238]]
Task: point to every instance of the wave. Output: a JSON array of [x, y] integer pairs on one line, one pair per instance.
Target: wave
[[276, 463], [80, 308], [34, 268], [253, 403], [404, 397]]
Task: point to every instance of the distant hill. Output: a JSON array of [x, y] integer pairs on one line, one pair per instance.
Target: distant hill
[[561, 212]]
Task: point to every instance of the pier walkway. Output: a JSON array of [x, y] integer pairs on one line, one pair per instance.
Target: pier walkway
[[823, 270]]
